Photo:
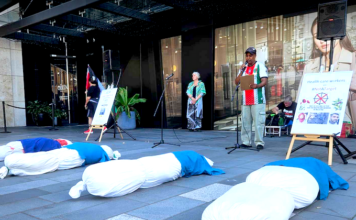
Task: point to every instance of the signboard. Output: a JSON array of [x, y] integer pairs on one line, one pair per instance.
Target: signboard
[[103, 109], [322, 103]]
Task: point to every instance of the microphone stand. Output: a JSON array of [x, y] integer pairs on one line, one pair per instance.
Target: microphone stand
[[154, 115]]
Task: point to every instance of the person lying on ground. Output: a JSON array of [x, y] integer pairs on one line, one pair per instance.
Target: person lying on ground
[[118, 178], [32, 145], [71, 156]]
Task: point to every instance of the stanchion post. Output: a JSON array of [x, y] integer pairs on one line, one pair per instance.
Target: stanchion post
[[53, 128], [4, 113]]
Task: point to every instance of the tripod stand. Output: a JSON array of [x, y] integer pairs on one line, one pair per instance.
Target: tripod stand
[[154, 115], [237, 145], [113, 116]]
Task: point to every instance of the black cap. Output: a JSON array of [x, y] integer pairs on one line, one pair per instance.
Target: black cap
[[251, 50]]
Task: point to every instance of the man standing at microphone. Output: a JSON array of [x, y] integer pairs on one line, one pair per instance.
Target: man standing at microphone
[[253, 100]]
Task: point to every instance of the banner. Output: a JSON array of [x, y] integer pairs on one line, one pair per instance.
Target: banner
[[103, 109], [322, 103]]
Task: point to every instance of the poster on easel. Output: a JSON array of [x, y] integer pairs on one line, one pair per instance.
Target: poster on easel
[[104, 107], [322, 103]]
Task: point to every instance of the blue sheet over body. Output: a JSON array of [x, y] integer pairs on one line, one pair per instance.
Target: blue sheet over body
[[323, 174], [195, 164], [91, 153], [33, 145]]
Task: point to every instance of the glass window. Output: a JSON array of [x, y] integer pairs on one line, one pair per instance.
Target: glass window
[[288, 48], [60, 81], [172, 63]]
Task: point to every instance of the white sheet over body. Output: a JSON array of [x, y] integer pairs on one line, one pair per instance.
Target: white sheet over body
[[68, 158], [248, 201], [298, 182], [42, 162], [31, 164], [118, 178], [10, 148], [160, 169], [111, 179]]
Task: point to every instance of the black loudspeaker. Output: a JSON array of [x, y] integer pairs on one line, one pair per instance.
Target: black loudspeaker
[[111, 60], [332, 20]]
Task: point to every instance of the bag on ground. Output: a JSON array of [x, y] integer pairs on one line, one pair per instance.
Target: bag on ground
[[247, 201]]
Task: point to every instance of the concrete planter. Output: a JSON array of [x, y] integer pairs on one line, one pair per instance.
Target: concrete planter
[[125, 122]]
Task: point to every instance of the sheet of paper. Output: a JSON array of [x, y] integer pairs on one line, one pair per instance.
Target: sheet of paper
[[246, 81]]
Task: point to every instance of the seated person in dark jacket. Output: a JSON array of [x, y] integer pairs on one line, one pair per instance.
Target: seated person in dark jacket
[[288, 107]]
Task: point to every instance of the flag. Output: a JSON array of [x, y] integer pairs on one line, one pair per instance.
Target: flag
[[90, 73]]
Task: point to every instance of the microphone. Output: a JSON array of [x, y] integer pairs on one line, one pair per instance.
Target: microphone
[[170, 76], [241, 71]]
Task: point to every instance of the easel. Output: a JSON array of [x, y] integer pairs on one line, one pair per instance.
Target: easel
[[331, 142], [115, 127], [113, 115], [100, 127]]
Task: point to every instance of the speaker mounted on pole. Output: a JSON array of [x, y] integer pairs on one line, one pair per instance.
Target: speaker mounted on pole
[[332, 20], [111, 60], [111, 63]]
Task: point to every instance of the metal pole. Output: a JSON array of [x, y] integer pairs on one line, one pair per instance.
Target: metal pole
[[3, 110], [67, 69], [102, 55], [162, 141]]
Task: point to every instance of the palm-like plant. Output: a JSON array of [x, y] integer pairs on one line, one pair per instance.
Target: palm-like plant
[[125, 104]]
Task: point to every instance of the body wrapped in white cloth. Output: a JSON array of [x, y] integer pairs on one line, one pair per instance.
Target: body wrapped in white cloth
[[249, 201], [44, 162], [118, 178], [32, 145]]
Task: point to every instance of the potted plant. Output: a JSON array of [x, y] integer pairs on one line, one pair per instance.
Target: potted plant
[[126, 114], [58, 114], [36, 109]]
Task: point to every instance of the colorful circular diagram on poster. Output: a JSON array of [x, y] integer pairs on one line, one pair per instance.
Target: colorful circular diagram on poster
[[321, 98]]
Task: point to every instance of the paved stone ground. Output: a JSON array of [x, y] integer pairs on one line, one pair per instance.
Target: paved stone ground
[[46, 196]]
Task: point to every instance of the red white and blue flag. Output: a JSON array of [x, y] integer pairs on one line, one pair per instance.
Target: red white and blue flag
[[90, 73]]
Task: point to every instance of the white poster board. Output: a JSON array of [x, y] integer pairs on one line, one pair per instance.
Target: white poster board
[[322, 102], [103, 109]]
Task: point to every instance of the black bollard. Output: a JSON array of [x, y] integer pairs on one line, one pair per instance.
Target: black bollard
[[53, 125], [3, 109]]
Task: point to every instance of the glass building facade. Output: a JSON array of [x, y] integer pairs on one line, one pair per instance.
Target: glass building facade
[[286, 45], [172, 63]]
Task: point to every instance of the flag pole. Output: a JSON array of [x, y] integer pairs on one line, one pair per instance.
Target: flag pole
[[67, 69]]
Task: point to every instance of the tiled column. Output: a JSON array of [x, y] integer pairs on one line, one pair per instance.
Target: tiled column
[[11, 83]]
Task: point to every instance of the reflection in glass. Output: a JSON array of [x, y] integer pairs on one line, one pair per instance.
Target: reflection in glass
[[278, 46], [171, 63], [60, 88]]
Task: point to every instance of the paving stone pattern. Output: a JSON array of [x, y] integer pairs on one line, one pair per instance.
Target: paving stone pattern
[[46, 196]]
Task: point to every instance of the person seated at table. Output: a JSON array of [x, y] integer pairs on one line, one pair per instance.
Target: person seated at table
[[288, 108], [32, 145]]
